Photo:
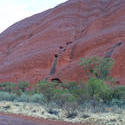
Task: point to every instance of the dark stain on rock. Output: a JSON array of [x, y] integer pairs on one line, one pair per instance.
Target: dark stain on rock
[[53, 69], [68, 43], [109, 54], [61, 47]]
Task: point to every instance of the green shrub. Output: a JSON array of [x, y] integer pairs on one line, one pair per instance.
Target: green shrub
[[99, 90], [23, 86], [66, 101], [62, 96], [8, 96], [72, 86], [17, 92], [37, 98], [23, 98], [119, 92], [97, 67], [80, 92], [47, 89], [98, 70], [118, 102], [8, 86], [30, 92]]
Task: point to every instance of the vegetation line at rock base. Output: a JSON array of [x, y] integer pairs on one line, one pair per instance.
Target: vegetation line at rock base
[[95, 93]]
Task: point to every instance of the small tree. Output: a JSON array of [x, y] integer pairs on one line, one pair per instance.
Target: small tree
[[98, 67], [98, 71]]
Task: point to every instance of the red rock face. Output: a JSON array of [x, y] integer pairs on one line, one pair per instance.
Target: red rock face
[[49, 45]]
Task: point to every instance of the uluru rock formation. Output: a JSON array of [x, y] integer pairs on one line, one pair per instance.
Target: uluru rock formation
[[49, 45]]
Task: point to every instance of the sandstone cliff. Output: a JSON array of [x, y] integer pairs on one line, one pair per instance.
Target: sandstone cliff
[[49, 45]]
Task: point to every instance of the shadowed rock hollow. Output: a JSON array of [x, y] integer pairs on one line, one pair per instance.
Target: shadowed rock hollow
[[49, 45]]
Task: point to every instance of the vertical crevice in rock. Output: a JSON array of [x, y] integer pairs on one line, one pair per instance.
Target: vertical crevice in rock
[[53, 69], [72, 51], [109, 54], [79, 29]]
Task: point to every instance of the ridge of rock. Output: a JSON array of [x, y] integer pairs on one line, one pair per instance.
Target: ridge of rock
[[49, 45]]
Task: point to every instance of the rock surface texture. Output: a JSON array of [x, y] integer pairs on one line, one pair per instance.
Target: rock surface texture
[[49, 45]]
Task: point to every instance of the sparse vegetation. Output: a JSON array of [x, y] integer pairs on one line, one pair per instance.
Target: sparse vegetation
[[98, 71], [99, 90], [71, 95], [7, 86], [98, 67], [7, 96], [23, 86]]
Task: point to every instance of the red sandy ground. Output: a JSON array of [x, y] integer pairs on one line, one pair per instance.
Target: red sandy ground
[[12, 119]]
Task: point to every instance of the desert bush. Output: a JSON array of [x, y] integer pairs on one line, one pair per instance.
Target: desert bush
[[72, 86], [63, 96], [23, 86], [47, 89], [7, 96], [67, 101], [118, 102], [30, 98], [70, 109], [38, 98], [8, 86], [93, 106], [119, 92], [23, 98], [80, 92], [99, 90], [97, 67], [30, 91], [17, 92], [98, 70]]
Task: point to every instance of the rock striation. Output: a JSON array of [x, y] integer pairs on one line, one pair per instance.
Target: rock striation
[[49, 45]]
